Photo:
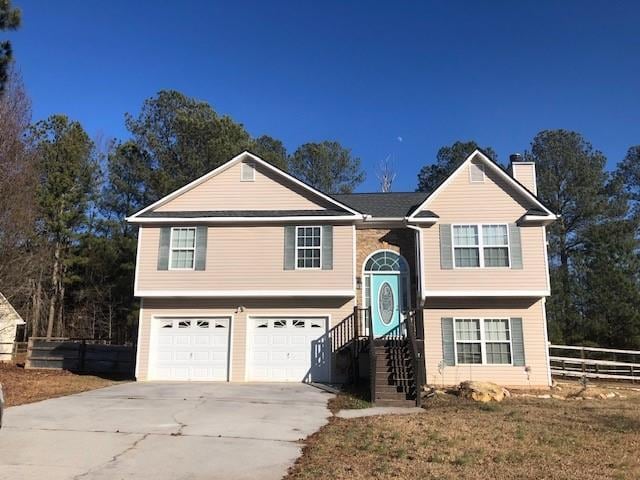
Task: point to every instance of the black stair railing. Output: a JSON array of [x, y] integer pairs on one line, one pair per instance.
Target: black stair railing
[[417, 362], [350, 334]]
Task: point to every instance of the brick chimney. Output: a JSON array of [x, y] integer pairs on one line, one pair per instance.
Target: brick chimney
[[523, 171]]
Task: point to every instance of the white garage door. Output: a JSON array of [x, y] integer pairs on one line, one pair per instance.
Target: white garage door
[[288, 349], [190, 349]]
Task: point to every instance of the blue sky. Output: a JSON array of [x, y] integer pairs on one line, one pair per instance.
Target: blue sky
[[383, 78]]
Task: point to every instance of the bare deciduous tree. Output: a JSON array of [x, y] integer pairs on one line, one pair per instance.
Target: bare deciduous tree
[[386, 174], [20, 251]]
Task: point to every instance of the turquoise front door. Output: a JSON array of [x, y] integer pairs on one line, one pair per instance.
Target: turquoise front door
[[385, 304]]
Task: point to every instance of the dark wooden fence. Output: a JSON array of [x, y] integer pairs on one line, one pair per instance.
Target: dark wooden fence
[[81, 356]]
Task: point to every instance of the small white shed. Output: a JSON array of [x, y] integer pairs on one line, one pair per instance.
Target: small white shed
[[9, 321]]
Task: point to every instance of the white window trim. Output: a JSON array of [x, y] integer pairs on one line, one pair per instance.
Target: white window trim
[[483, 342], [308, 248], [195, 245], [250, 165], [481, 167], [481, 246]]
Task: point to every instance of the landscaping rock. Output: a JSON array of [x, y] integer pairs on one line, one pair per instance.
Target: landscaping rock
[[483, 391]]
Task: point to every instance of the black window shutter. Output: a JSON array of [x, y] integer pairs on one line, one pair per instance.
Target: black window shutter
[[201, 247], [163, 248], [289, 247], [327, 247]]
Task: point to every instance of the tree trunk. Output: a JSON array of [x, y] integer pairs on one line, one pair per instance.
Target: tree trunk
[[36, 312], [55, 297]]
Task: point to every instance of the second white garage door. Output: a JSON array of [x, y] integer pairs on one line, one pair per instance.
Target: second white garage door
[[190, 349], [288, 349]]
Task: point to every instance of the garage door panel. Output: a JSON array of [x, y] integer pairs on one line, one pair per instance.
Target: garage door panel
[[287, 349], [191, 349]]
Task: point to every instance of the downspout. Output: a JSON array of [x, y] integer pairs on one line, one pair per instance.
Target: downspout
[[421, 347], [419, 270]]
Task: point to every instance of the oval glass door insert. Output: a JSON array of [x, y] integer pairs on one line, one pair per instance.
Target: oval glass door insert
[[386, 303]]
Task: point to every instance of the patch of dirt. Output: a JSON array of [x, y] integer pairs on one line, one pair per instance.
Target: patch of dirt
[[521, 437], [26, 386]]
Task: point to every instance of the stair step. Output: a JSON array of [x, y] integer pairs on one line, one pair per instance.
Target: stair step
[[386, 364], [398, 386], [395, 403], [398, 351], [394, 381], [391, 396]]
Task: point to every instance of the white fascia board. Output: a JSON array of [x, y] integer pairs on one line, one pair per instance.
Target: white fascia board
[[427, 220], [313, 218], [538, 219], [223, 167], [245, 293], [508, 178], [487, 293]]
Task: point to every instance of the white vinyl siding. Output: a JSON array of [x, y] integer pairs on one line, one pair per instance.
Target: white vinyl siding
[[183, 248], [308, 247], [479, 246], [483, 341]]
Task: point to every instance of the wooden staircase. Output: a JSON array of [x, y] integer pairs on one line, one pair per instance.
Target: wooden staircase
[[394, 381]]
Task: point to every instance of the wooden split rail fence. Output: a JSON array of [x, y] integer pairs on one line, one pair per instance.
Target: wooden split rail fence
[[593, 362]]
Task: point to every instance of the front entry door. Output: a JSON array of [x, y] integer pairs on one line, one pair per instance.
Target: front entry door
[[385, 304]]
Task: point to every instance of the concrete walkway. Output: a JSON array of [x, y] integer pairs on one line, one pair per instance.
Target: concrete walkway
[[373, 411], [162, 431]]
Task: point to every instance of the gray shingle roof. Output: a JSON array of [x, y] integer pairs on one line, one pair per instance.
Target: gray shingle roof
[[383, 205], [247, 213], [426, 214], [535, 212]]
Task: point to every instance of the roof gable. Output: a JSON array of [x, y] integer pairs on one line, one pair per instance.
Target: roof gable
[[496, 174], [226, 189], [8, 314]]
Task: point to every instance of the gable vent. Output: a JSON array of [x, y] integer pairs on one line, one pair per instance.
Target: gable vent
[[476, 173], [247, 172]]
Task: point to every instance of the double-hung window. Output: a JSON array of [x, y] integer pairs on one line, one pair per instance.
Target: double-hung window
[[183, 248], [483, 341], [308, 247], [481, 246]]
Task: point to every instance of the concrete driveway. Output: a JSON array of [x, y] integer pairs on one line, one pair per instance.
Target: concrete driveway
[[162, 431]]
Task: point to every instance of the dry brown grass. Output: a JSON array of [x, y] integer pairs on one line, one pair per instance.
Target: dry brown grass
[[520, 438], [26, 386]]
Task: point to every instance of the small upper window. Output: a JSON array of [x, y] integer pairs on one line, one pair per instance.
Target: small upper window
[[183, 248], [308, 248], [476, 172], [247, 172]]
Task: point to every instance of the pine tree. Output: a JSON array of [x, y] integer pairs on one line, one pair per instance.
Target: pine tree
[[68, 178], [327, 166], [10, 18], [448, 159]]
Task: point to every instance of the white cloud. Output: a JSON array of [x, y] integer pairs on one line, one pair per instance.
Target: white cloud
[[400, 139]]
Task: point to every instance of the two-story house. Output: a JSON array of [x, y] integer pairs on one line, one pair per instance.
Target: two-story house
[[249, 274]]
